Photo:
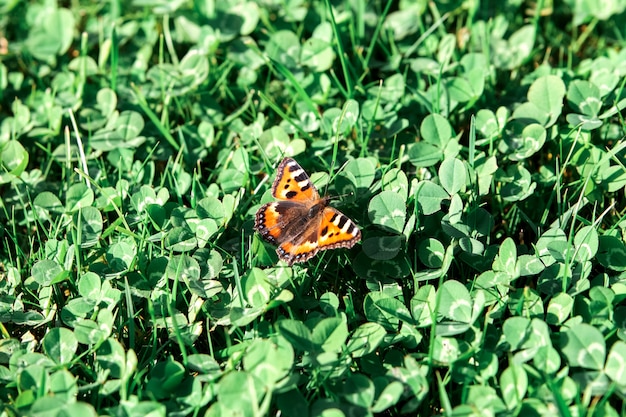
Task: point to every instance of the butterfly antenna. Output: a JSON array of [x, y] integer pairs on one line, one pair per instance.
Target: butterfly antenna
[[340, 196]]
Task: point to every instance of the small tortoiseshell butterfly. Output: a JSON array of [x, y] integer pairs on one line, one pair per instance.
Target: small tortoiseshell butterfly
[[301, 223]]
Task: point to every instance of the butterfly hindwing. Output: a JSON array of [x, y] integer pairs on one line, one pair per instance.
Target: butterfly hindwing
[[299, 251], [278, 221], [332, 229]]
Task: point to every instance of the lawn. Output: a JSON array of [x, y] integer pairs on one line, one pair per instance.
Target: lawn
[[445, 234]]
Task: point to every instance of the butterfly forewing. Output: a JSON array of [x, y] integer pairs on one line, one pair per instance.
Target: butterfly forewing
[[337, 230], [292, 183], [300, 222]]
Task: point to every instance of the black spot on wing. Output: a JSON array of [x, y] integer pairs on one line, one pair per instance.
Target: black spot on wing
[[302, 177], [342, 220], [259, 224]]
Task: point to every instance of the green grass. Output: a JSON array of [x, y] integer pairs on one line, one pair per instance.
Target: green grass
[[479, 146]]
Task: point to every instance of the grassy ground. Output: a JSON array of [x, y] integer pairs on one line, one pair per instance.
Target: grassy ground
[[479, 147]]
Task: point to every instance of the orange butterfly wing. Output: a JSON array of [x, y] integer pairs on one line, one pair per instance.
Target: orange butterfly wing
[[301, 223], [293, 184], [332, 230]]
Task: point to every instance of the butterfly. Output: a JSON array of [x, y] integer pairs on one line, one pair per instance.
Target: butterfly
[[301, 223]]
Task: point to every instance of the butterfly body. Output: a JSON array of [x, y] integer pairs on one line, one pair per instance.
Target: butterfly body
[[300, 222]]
